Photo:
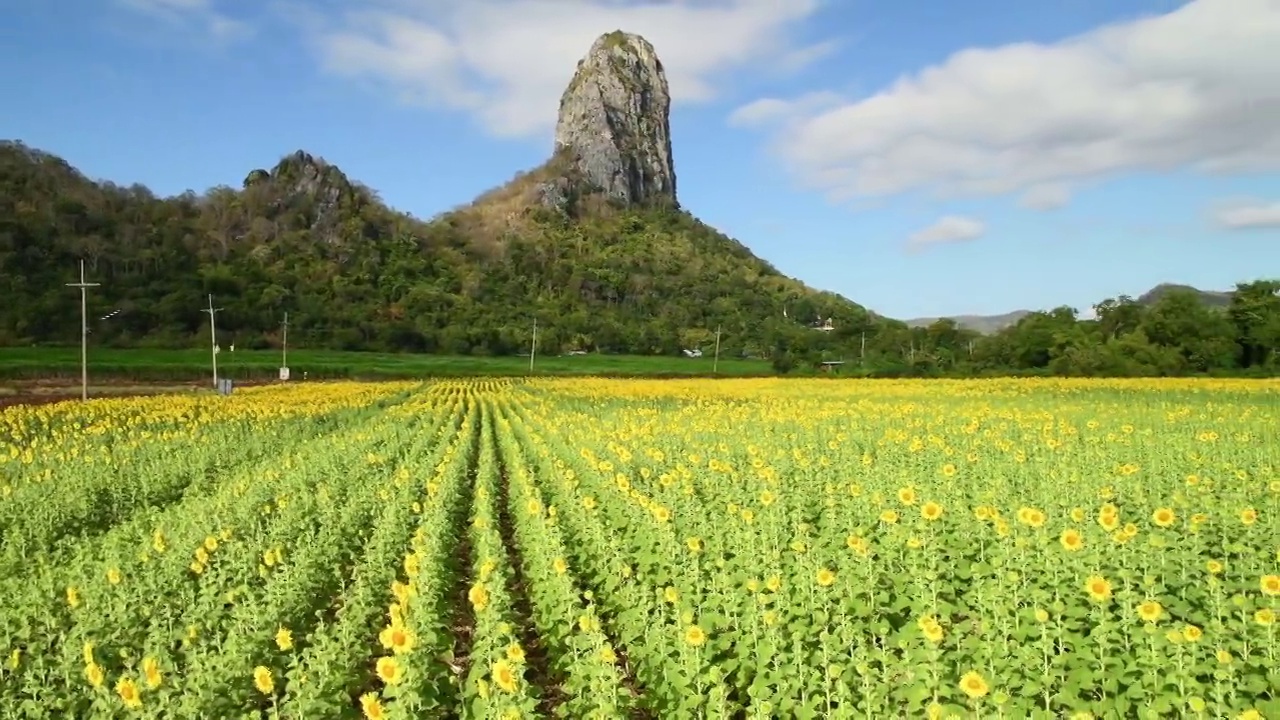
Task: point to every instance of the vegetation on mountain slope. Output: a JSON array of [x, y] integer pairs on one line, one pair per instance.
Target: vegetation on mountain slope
[[353, 274], [356, 275]]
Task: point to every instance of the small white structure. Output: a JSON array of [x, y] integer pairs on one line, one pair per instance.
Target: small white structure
[[694, 353]]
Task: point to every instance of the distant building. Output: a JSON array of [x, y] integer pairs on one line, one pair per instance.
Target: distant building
[[694, 353]]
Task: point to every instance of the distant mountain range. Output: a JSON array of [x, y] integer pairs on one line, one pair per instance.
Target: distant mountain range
[[987, 324]]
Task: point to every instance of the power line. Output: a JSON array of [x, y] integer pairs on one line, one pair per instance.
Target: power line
[[715, 363], [84, 332], [213, 338], [284, 349], [533, 344]]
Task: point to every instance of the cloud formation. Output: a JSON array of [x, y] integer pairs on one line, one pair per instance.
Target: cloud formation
[[1197, 88], [1248, 216], [507, 61], [199, 14], [948, 229], [769, 111], [1046, 197]]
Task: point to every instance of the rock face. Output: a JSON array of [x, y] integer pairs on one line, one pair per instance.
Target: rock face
[[614, 126]]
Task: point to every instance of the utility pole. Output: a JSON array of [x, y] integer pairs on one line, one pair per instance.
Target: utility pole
[[533, 344], [213, 339], [715, 363], [84, 332], [862, 350], [284, 346]]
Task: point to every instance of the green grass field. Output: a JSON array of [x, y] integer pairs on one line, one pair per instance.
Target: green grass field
[[243, 365]]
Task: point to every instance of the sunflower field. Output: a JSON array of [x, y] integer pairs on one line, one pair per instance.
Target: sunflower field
[[590, 548]]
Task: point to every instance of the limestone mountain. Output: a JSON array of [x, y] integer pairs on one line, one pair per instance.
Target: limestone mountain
[[614, 125], [592, 243], [612, 147]]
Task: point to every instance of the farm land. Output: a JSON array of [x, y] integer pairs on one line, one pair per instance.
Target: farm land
[[613, 548]]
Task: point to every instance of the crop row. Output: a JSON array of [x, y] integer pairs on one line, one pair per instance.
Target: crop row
[[497, 549]]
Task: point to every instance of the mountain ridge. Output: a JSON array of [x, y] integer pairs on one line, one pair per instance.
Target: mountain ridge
[[987, 324], [592, 241]]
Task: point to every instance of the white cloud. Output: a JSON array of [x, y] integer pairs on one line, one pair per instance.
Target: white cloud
[[1045, 197], [1248, 216], [508, 61], [769, 111], [948, 229], [198, 13], [1197, 88]]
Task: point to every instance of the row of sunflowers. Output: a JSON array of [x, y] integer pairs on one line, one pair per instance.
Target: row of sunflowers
[[624, 548]]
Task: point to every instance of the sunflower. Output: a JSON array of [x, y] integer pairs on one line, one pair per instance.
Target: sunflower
[[931, 511], [127, 689], [397, 638], [478, 596], [1098, 588], [93, 673], [151, 672], [515, 653], [826, 577], [1150, 610], [695, 636], [389, 671], [973, 685], [504, 676], [262, 680], [1270, 585], [1071, 540], [372, 706]]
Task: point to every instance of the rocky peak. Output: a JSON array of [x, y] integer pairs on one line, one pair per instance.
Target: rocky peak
[[301, 177], [310, 175], [614, 128]]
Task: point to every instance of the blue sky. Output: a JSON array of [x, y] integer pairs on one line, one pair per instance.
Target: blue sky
[[921, 158]]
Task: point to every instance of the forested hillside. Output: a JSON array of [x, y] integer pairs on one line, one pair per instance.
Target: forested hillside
[[353, 274]]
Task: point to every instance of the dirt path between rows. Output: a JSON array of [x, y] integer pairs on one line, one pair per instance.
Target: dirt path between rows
[[44, 392]]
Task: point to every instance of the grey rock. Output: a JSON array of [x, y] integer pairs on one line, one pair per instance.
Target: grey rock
[[554, 195], [303, 175], [614, 125]]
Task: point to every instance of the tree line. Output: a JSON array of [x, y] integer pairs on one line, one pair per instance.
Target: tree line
[[355, 275]]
